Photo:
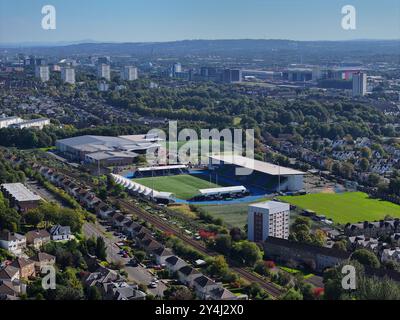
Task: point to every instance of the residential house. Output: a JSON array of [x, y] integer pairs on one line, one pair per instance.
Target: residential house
[[373, 229], [60, 233], [9, 273], [161, 254], [391, 255], [203, 286], [187, 274], [26, 267], [174, 263], [302, 254], [37, 238], [221, 293], [123, 291], [12, 242], [43, 259]]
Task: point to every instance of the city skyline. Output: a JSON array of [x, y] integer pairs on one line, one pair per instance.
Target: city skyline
[[158, 21]]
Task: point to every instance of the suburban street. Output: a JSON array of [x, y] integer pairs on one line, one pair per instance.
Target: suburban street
[[137, 274]]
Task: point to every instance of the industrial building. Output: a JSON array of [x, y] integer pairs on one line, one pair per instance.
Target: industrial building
[[268, 219], [107, 151], [267, 176], [20, 196]]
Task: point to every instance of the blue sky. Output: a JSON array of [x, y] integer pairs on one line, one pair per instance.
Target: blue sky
[[166, 20]]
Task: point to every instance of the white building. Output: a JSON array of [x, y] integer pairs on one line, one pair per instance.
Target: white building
[[34, 123], [8, 121], [176, 68], [42, 73], [12, 242], [268, 219], [104, 72], [129, 73], [68, 75], [359, 84], [391, 255]]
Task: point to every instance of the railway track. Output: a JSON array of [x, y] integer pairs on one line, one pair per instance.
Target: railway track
[[158, 223], [272, 289]]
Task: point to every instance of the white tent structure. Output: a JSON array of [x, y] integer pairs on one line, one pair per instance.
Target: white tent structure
[[141, 190]]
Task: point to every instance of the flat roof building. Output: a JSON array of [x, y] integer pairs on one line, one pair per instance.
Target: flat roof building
[[268, 219], [289, 179], [34, 123], [105, 149], [20, 196]]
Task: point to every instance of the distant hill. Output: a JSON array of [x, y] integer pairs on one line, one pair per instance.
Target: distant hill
[[234, 48]]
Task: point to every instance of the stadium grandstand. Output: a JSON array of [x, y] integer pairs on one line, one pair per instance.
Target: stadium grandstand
[[161, 171], [264, 175], [222, 193]]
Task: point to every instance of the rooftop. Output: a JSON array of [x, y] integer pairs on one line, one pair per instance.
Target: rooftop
[[271, 205], [256, 165], [20, 192]]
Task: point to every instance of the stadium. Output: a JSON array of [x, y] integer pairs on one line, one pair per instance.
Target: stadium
[[216, 183]]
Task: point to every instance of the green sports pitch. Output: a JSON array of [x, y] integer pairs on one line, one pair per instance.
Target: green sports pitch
[[348, 207], [183, 186]]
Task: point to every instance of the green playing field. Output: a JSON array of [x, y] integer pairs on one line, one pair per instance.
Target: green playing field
[[345, 208], [183, 186]]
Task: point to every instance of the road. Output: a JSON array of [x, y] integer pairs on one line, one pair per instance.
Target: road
[[137, 274], [164, 226]]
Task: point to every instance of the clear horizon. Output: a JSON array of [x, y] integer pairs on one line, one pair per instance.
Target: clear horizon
[[177, 20]]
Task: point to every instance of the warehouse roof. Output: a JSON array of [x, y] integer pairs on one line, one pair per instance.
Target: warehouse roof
[[256, 165], [20, 192]]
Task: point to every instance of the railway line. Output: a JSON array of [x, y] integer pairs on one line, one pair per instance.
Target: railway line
[[160, 224]]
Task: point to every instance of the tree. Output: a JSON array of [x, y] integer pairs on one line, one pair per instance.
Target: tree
[[101, 249], [366, 257], [34, 217], [93, 293], [364, 164], [246, 252], [340, 245], [218, 267], [292, 294], [178, 293], [223, 243]]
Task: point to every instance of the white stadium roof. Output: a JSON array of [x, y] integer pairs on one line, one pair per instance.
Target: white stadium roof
[[256, 165], [212, 191], [172, 167]]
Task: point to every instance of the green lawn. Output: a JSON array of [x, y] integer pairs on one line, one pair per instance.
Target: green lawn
[[345, 208], [234, 215], [184, 186]]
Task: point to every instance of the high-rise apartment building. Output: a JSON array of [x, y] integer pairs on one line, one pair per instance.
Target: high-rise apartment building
[[359, 84], [268, 219], [42, 73], [104, 71], [129, 73], [68, 75]]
